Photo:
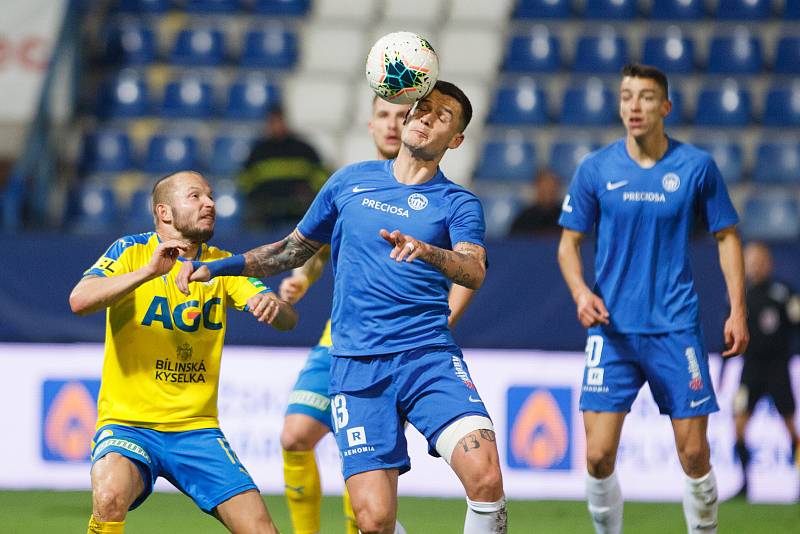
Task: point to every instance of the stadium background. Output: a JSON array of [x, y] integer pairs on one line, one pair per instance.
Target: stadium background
[[99, 98]]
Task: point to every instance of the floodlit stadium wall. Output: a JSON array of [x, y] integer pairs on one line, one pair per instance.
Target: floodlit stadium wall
[[49, 393]]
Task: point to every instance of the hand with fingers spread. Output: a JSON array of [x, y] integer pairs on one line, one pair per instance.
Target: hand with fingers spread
[[404, 247], [591, 309], [165, 256]]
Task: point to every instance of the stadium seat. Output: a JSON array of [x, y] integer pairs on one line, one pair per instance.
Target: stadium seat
[[507, 160], [729, 106], [791, 9], [351, 50], [737, 54], [727, 156], [229, 207], [198, 48], [138, 214], [749, 10], [787, 59], [542, 9], [400, 11], [677, 10], [144, 6], [106, 150], [125, 95], [673, 53], [94, 209], [250, 98], [361, 11], [129, 44], [470, 52], [524, 104], [677, 116], [538, 51], [610, 9], [565, 156], [317, 100], [229, 153], [282, 8], [212, 6], [771, 216], [588, 104], [496, 12], [500, 207], [783, 106], [270, 48], [777, 163], [606, 53], [188, 98], [170, 153]]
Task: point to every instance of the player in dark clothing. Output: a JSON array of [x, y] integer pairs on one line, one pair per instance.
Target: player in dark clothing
[[773, 316]]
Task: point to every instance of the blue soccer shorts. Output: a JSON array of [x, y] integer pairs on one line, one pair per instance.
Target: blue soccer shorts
[[310, 393], [372, 397], [674, 364], [200, 463]]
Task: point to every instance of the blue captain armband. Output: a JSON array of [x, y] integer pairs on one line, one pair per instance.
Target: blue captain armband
[[230, 266]]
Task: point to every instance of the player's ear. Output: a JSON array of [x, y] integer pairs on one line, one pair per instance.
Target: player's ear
[[666, 107], [164, 213], [456, 141]]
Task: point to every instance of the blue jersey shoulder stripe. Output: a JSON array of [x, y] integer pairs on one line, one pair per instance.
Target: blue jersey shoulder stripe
[[118, 247]]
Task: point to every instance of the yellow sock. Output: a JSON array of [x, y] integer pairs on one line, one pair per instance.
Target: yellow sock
[[303, 493], [105, 527], [350, 526]]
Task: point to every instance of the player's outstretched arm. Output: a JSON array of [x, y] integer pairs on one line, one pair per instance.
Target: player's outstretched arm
[[294, 287], [95, 293], [266, 260], [732, 263], [267, 308], [591, 308], [465, 264]]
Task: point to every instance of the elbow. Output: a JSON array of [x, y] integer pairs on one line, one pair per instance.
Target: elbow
[[477, 282], [78, 305]]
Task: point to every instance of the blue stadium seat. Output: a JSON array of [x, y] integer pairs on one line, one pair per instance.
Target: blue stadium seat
[[106, 150], [228, 154], [212, 6], [524, 104], [542, 9], [565, 156], [500, 207], [250, 98], [611, 9], [130, 44], [144, 6], [601, 54], [283, 8], [188, 98], [138, 215], [170, 153], [739, 54], [673, 54], [783, 106], [272, 48], [198, 47], [125, 95], [677, 10], [777, 162], [729, 106], [588, 104], [94, 209], [787, 59], [728, 157], [791, 9], [538, 52], [771, 216], [677, 116], [229, 207], [507, 160], [743, 10]]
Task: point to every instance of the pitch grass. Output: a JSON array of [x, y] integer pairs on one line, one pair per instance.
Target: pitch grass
[[24, 512]]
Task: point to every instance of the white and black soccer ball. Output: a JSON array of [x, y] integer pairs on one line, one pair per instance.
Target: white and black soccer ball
[[402, 67]]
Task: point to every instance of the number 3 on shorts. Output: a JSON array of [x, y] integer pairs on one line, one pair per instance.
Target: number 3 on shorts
[[340, 415], [594, 349]]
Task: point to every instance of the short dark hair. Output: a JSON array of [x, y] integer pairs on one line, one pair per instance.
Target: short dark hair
[[639, 70], [451, 90]]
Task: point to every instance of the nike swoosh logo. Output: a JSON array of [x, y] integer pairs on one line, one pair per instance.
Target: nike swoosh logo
[[616, 185], [298, 489], [471, 399], [357, 189], [695, 404]]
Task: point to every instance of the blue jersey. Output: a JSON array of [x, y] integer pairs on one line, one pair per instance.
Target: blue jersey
[[643, 219], [381, 306]]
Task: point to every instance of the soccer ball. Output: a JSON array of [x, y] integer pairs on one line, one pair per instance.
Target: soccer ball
[[402, 67]]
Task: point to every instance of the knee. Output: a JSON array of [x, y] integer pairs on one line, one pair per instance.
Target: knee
[[110, 504], [695, 458], [293, 439], [485, 485], [600, 462], [374, 520]]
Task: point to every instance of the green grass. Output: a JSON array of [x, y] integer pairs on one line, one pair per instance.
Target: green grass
[[23, 512]]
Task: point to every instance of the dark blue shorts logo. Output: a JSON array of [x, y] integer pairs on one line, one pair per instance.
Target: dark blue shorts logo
[[69, 414], [539, 428]]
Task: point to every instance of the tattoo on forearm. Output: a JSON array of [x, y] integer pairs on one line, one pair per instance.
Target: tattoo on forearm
[[291, 251], [459, 264]]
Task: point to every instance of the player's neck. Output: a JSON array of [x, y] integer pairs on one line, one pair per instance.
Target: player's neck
[[409, 170], [165, 234], [647, 150]]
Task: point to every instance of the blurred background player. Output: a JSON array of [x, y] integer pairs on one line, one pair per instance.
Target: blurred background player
[[541, 216], [773, 315], [640, 195], [157, 409], [308, 416]]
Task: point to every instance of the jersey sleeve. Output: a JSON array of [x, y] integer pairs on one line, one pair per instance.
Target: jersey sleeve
[[114, 261], [319, 220], [714, 203], [467, 223], [579, 208], [239, 289]]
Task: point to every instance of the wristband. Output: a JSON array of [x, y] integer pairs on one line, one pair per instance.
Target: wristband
[[230, 266]]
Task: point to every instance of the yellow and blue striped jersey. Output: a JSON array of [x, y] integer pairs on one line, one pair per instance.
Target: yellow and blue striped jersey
[[325, 340], [163, 348]]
